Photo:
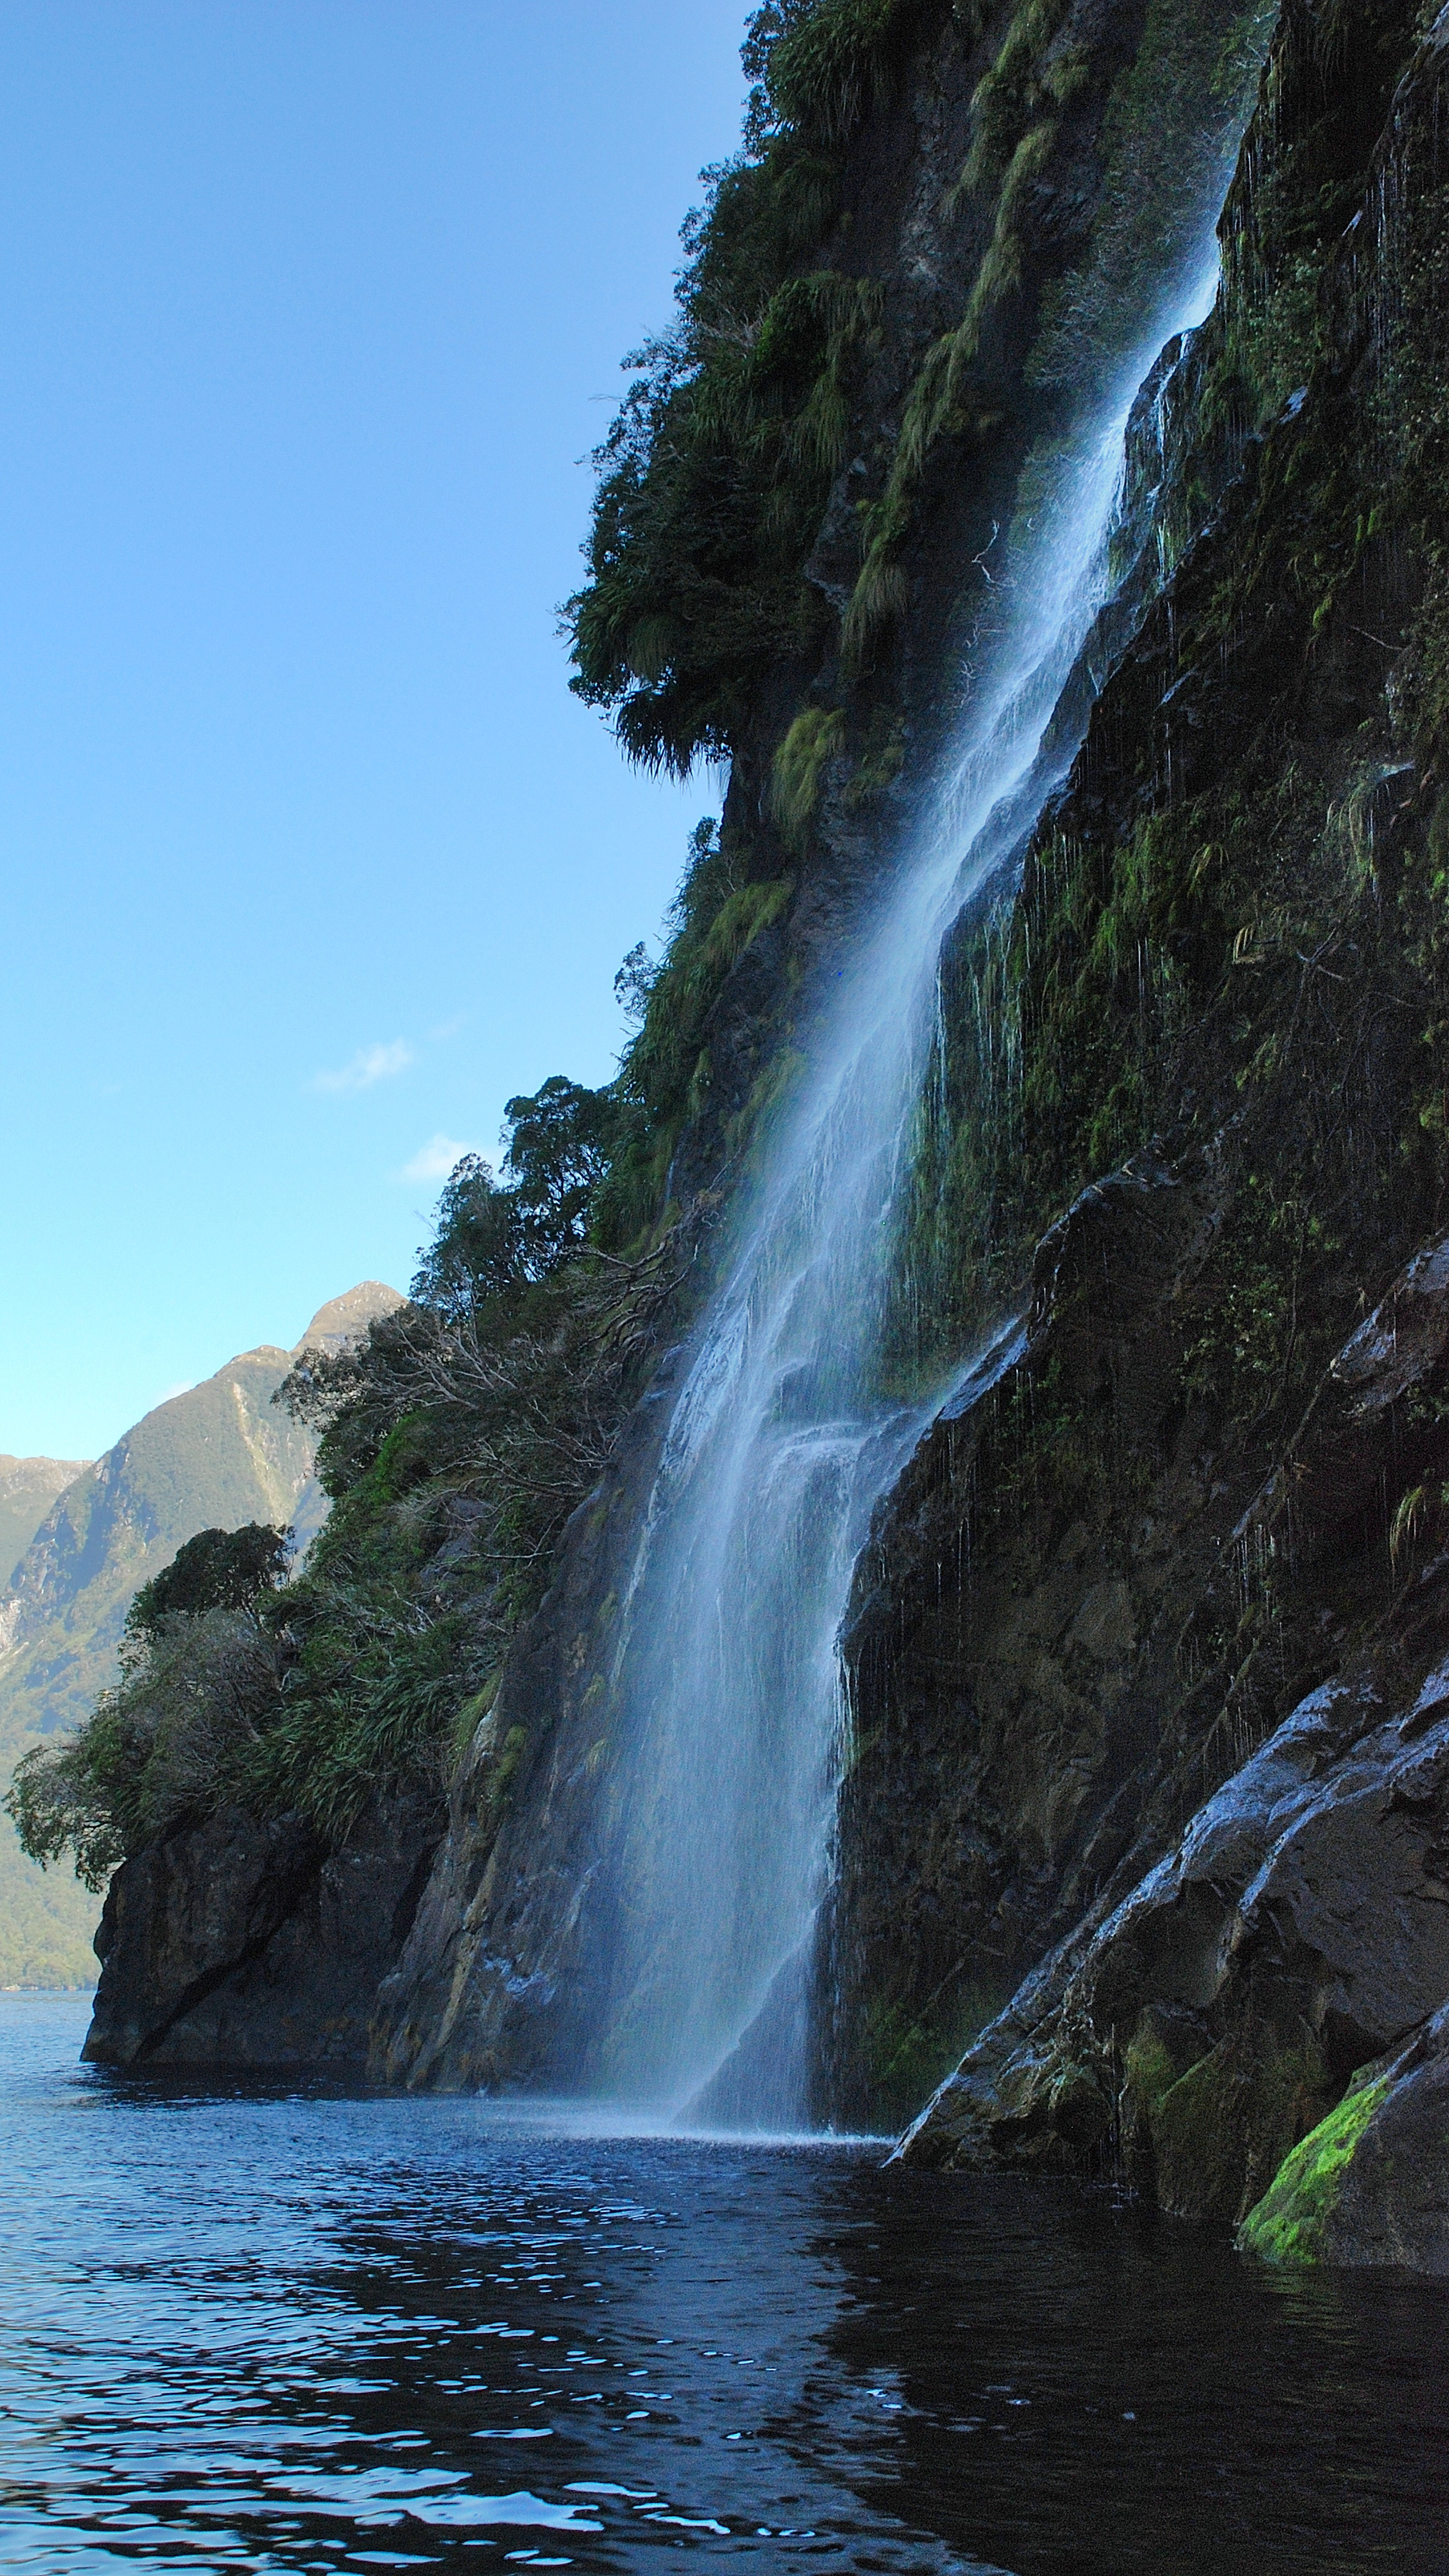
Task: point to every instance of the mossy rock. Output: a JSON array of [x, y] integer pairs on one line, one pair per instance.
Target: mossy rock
[[1217, 2125], [1289, 2222]]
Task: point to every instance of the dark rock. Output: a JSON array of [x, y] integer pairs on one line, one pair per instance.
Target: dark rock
[[1011, 1649], [247, 1944], [1370, 2185], [1297, 1927], [502, 1978]]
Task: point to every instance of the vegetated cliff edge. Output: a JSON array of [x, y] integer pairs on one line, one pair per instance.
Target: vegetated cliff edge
[[982, 177], [217, 1455], [1145, 1809]]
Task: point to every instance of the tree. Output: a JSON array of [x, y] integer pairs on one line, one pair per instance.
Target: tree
[[477, 1252], [217, 1570], [558, 1152], [496, 1238]]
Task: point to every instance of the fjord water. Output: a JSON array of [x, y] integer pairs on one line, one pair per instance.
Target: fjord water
[[786, 1430], [284, 2331]]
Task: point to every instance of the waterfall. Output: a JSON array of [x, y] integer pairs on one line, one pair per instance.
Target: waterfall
[[786, 1431]]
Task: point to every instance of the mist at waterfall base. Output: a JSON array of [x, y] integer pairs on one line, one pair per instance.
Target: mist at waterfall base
[[274, 2330], [786, 1433]]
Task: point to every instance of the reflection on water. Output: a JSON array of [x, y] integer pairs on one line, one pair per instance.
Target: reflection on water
[[283, 2330]]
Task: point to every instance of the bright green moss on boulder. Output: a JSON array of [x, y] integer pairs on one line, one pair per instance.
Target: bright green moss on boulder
[[1288, 2224]]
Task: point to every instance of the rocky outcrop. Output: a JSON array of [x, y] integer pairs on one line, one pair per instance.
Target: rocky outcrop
[[1370, 2185], [1011, 1650], [250, 1945], [1236, 1975]]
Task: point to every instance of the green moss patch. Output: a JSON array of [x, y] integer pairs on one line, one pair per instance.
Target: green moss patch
[[1287, 2225]]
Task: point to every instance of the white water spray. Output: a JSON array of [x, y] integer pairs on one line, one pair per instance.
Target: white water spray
[[782, 1439]]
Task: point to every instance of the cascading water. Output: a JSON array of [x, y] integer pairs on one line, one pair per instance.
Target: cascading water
[[784, 1433]]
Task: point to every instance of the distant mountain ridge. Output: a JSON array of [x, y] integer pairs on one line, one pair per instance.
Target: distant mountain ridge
[[220, 1455], [28, 1487]]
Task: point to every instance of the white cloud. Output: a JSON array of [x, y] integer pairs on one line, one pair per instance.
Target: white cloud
[[435, 1160], [370, 1064]]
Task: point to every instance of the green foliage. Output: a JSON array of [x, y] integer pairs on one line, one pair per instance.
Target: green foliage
[[477, 1253], [558, 1152], [494, 1240], [814, 738], [217, 1570], [456, 1438], [634, 982], [817, 68], [714, 476], [1025, 82], [171, 1741], [457, 1441], [664, 1075], [370, 1706]]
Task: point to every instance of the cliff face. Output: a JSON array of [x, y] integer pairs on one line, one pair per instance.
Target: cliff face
[[956, 382], [242, 1944], [1144, 1784], [1139, 1861], [1154, 1642]]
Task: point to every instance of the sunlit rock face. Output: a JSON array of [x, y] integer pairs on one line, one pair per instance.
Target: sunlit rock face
[[28, 1488]]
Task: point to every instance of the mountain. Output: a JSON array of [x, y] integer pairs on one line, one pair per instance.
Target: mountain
[[28, 1487], [218, 1456]]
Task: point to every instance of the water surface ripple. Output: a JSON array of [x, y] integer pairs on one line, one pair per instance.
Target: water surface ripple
[[279, 2329]]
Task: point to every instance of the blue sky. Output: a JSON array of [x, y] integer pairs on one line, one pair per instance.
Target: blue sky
[[309, 310]]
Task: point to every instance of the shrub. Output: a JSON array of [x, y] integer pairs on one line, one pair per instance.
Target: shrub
[[172, 1741]]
